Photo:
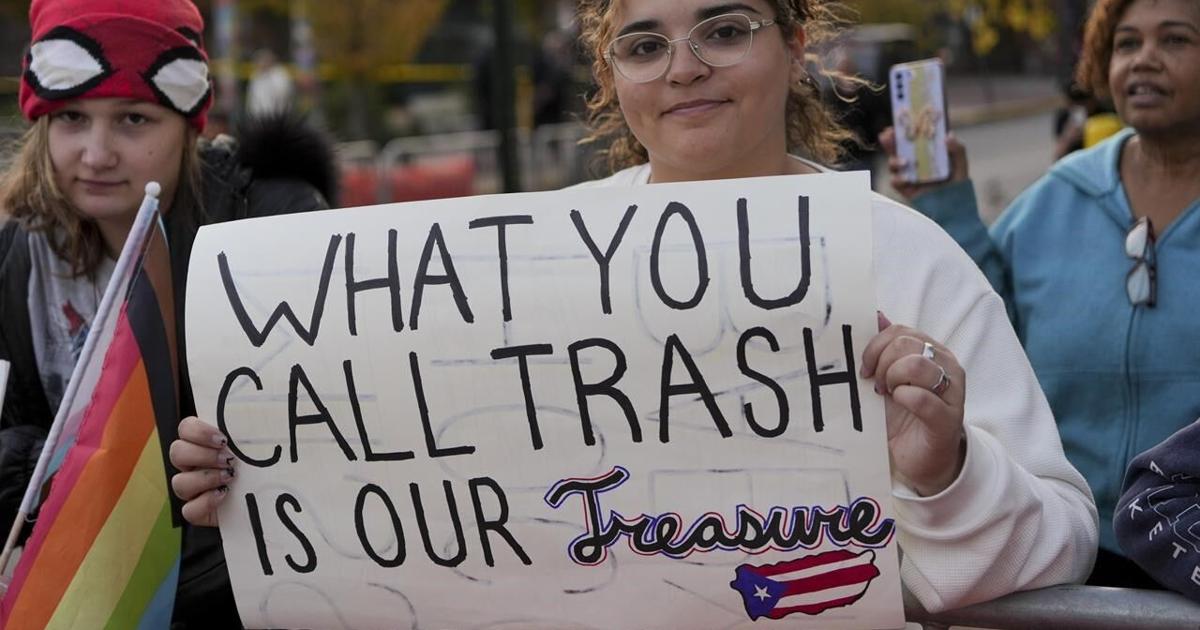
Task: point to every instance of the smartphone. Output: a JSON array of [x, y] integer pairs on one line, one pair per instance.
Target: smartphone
[[919, 118]]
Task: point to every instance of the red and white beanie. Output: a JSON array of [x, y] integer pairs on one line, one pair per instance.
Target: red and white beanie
[[148, 50]]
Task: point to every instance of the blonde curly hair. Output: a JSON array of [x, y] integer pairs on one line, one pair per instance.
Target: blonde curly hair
[[812, 128]]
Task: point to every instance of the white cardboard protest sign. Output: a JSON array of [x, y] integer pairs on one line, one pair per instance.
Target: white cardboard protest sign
[[594, 408]]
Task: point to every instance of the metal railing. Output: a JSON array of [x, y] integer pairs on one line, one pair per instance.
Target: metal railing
[[550, 157], [1067, 607]]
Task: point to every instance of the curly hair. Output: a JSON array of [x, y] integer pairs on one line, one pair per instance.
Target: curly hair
[[30, 195], [1092, 72], [812, 127]]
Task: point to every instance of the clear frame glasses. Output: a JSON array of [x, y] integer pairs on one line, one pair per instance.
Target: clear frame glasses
[[1140, 282], [719, 41]]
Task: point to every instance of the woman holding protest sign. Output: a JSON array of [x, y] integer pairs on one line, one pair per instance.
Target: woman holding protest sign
[[118, 94], [702, 89], [1097, 262], [988, 504]]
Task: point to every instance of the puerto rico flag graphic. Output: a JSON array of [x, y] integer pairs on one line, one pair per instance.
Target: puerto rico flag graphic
[[809, 585]]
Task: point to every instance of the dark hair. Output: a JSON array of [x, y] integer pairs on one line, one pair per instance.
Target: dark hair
[[1096, 55]]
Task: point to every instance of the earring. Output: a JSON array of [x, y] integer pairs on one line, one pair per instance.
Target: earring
[[805, 79]]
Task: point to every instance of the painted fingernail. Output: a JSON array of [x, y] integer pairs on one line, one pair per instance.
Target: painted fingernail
[[878, 389], [225, 457], [227, 474], [222, 492], [219, 440]]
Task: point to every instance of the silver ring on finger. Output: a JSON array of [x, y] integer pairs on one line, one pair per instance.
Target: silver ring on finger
[[927, 351], [943, 382]]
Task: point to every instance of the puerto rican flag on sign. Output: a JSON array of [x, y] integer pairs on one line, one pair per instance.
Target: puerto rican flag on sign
[[809, 585]]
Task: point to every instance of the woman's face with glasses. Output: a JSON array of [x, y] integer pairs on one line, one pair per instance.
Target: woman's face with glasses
[[703, 84]]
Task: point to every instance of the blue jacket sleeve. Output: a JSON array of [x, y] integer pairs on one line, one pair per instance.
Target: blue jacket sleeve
[[1157, 521], [954, 208]]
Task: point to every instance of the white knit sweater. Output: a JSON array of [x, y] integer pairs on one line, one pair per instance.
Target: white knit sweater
[[1019, 516]]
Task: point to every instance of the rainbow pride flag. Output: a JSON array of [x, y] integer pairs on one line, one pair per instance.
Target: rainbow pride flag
[[104, 552]]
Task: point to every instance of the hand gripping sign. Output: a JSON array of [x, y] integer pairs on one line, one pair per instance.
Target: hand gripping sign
[[592, 408]]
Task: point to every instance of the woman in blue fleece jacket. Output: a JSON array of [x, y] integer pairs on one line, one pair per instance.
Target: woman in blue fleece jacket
[[1099, 261]]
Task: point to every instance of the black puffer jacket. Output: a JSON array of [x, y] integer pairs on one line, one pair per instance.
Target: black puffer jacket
[[279, 165]]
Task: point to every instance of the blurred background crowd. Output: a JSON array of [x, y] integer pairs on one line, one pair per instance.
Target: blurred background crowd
[[439, 98]]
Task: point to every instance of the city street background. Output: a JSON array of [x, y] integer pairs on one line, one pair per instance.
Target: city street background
[[438, 98]]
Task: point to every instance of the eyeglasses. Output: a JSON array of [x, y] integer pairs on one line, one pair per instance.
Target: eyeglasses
[[719, 41], [1140, 282]]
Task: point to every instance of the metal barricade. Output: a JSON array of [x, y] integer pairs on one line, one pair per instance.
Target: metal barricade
[[550, 158], [1067, 607], [479, 147], [555, 157]]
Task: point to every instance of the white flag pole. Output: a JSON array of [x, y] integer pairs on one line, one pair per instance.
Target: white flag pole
[[4, 367], [130, 253]]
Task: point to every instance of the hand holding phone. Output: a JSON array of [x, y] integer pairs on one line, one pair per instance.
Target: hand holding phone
[[919, 117]]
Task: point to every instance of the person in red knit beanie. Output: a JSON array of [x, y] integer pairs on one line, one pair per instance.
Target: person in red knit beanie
[[117, 93], [135, 49]]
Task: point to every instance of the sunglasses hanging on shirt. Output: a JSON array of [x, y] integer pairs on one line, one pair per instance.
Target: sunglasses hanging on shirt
[[1140, 282]]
